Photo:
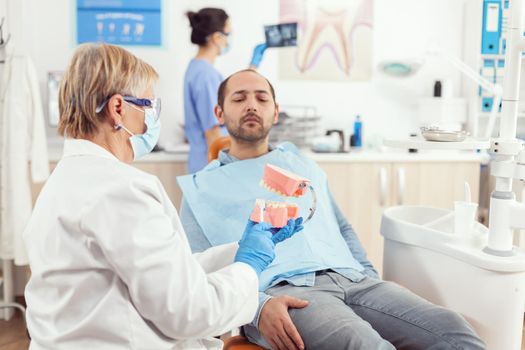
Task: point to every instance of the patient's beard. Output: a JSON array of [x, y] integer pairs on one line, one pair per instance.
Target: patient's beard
[[248, 135]]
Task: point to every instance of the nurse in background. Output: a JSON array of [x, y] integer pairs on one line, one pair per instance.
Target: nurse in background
[[211, 29]]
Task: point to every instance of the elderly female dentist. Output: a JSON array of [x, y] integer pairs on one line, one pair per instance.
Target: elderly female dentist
[[111, 266]]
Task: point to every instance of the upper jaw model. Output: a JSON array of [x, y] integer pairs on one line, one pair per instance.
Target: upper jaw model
[[283, 182]]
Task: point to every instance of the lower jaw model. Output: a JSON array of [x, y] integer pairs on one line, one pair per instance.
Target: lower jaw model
[[276, 214], [286, 184]]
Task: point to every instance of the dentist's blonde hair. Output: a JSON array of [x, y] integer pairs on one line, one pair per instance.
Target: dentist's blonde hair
[[97, 72]]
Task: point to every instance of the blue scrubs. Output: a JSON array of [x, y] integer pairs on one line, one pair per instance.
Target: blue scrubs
[[201, 83]]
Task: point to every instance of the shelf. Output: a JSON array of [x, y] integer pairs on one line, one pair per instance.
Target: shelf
[[421, 143], [487, 114]]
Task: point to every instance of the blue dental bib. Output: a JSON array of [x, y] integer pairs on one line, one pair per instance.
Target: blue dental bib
[[223, 197]]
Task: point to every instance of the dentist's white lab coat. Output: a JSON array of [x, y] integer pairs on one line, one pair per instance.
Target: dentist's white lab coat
[[112, 268], [22, 139]]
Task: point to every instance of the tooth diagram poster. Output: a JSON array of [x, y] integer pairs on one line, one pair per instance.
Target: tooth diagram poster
[[334, 40]]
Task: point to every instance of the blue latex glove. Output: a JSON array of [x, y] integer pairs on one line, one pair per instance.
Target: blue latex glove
[[257, 56], [291, 228], [257, 245]]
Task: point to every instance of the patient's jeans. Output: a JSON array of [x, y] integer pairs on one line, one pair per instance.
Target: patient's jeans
[[371, 314]]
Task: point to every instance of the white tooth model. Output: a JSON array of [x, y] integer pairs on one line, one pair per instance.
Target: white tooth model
[[284, 184]]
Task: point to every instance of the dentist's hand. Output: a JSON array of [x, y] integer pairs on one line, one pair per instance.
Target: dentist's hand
[[257, 245], [257, 56], [291, 228]]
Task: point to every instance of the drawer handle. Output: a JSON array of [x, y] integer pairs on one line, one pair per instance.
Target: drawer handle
[[401, 185], [382, 186]]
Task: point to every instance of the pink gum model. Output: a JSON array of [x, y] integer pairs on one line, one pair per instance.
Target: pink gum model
[[283, 182], [275, 213]]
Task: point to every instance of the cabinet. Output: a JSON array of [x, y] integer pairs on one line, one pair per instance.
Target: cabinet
[[363, 190], [167, 173], [436, 184]]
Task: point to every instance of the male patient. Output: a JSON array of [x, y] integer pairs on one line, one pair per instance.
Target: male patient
[[321, 292]]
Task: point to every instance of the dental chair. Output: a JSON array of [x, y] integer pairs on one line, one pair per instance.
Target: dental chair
[[216, 146], [237, 342]]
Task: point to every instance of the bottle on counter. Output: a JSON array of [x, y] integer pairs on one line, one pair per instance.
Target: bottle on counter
[[437, 88], [358, 129]]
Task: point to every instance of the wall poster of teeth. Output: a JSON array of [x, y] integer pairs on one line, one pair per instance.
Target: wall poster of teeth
[[334, 40], [120, 22]]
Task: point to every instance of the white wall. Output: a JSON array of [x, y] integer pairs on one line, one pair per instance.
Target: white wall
[[45, 29]]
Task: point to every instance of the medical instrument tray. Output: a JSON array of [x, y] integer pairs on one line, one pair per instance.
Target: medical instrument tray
[[433, 133]]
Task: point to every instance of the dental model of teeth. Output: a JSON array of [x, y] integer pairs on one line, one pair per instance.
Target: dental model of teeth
[[275, 213], [285, 184]]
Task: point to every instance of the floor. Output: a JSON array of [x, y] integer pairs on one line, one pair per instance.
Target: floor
[[13, 335]]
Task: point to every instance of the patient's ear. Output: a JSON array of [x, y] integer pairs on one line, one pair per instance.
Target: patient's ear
[[218, 114], [276, 116]]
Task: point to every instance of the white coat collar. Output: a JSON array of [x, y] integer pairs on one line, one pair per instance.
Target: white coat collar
[[6, 75], [7, 66], [82, 147]]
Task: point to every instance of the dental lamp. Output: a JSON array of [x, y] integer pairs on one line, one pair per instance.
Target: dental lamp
[[508, 163], [477, 272], [507, 152], [405, 68]]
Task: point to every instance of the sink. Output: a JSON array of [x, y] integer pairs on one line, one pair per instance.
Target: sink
[[415, 214], [423, 254], [433, 229], [428, 227]]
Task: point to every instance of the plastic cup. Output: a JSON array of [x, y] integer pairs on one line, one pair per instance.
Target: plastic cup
[[464, 217]]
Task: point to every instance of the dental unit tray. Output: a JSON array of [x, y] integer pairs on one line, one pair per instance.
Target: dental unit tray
[[434, 133], [285, 184]]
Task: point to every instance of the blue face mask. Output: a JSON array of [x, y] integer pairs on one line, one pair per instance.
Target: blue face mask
[[144, 143], [227, 48]]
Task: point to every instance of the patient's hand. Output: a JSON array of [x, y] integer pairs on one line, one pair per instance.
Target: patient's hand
[[276, 325]]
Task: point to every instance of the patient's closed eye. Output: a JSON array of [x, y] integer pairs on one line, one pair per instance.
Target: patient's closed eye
[[262, 96]]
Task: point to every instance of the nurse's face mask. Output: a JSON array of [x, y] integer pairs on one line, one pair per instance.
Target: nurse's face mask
[[142, 144], [227, 48]]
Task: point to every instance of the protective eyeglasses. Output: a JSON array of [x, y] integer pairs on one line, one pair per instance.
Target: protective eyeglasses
[[141, 102]]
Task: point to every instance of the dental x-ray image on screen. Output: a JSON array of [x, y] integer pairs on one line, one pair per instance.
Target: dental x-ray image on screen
[[279, 35]]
